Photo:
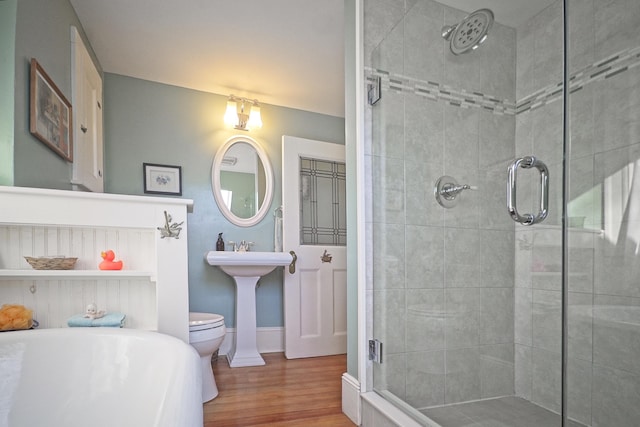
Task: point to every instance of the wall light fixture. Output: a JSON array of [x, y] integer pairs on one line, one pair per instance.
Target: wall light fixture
[[243, 113]]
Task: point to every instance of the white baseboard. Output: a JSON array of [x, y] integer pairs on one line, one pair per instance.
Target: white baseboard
[[351, 405], [270, 340]]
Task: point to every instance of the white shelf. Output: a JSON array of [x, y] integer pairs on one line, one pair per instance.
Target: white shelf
[[85, 223], [8, 274]]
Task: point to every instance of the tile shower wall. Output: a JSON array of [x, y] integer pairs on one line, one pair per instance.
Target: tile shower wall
[[442, 280]]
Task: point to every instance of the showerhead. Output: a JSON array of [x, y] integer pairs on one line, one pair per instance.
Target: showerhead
[[470, 32]]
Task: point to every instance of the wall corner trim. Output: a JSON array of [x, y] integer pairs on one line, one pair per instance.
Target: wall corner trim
[[351, 398]]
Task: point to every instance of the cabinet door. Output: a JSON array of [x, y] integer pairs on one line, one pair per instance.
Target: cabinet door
[[87, 108]]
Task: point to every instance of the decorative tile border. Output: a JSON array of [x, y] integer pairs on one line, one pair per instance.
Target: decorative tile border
[[440, 92], [539, 98], [609, 67], [615, 64], [601, 70]]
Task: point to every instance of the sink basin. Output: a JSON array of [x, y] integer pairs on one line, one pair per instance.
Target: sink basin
[[248, 264], [246, 268]]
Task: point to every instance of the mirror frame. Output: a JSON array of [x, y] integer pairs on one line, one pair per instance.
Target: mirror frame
[[215, 182]]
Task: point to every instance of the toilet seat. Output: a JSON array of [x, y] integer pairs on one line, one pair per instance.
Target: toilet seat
[[201, 321]]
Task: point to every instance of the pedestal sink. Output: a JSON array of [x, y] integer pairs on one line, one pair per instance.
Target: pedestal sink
[[246, 268]]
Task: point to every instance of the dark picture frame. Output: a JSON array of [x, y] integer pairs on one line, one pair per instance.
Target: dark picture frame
[[162, 179], [50, 113]]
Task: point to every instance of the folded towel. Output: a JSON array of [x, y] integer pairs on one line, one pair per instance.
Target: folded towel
[[112, 319]]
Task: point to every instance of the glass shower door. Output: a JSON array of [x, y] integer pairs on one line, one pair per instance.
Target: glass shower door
[[603, 203], [467, 303]]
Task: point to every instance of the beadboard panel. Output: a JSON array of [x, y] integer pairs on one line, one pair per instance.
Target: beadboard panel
[[54, 301], [135, 247]]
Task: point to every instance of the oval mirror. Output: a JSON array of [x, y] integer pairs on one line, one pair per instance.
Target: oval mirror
[[242, 181]]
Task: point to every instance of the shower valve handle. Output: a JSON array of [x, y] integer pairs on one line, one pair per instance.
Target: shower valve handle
[[447, 189], [450, 191]]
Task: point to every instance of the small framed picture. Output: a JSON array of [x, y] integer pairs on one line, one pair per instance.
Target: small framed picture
[[50, 113], [162, 179]]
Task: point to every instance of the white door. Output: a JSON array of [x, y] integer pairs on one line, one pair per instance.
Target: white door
[[314, 226]]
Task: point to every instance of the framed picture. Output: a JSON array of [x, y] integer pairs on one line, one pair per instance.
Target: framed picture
[[162, 179], [50, 113]]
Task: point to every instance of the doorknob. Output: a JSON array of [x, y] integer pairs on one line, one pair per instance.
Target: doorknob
[[292, 266]]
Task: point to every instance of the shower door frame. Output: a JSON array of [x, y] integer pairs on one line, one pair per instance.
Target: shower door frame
[[566, 137]]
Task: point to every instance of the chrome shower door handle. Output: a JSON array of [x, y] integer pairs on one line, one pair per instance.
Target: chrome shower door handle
[[526, 163]]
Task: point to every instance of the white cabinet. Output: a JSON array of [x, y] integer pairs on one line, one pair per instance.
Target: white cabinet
[[86, 100], [152, 289]]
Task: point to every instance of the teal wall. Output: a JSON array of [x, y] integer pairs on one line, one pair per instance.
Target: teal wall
[[148, 122], [7, 73], [43, 33]]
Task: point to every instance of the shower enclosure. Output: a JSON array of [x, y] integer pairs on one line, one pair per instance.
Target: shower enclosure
[[483, 320]]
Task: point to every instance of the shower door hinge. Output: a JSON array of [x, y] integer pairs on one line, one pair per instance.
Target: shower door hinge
[[374, 89], [375, 351]]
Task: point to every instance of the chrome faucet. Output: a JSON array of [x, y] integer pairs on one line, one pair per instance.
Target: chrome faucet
[[243, 246]]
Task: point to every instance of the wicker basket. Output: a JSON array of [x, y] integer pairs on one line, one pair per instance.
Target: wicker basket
[[51, 263]]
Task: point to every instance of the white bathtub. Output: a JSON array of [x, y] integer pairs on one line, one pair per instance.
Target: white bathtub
[[92, 377]]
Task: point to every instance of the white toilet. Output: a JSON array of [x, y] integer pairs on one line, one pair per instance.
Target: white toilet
[[206, 332]]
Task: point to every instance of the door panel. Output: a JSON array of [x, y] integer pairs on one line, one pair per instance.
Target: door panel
[[313, 212]]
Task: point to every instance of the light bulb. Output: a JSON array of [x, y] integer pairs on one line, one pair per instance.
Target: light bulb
[[231, 115], [255, 121]]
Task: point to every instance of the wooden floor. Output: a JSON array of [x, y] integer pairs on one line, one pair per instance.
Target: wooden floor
[[297, 392]]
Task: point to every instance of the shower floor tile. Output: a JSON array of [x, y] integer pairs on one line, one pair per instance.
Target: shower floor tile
[[500, 412]]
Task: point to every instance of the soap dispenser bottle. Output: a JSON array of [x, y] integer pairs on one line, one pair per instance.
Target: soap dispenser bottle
[[220, 243]]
